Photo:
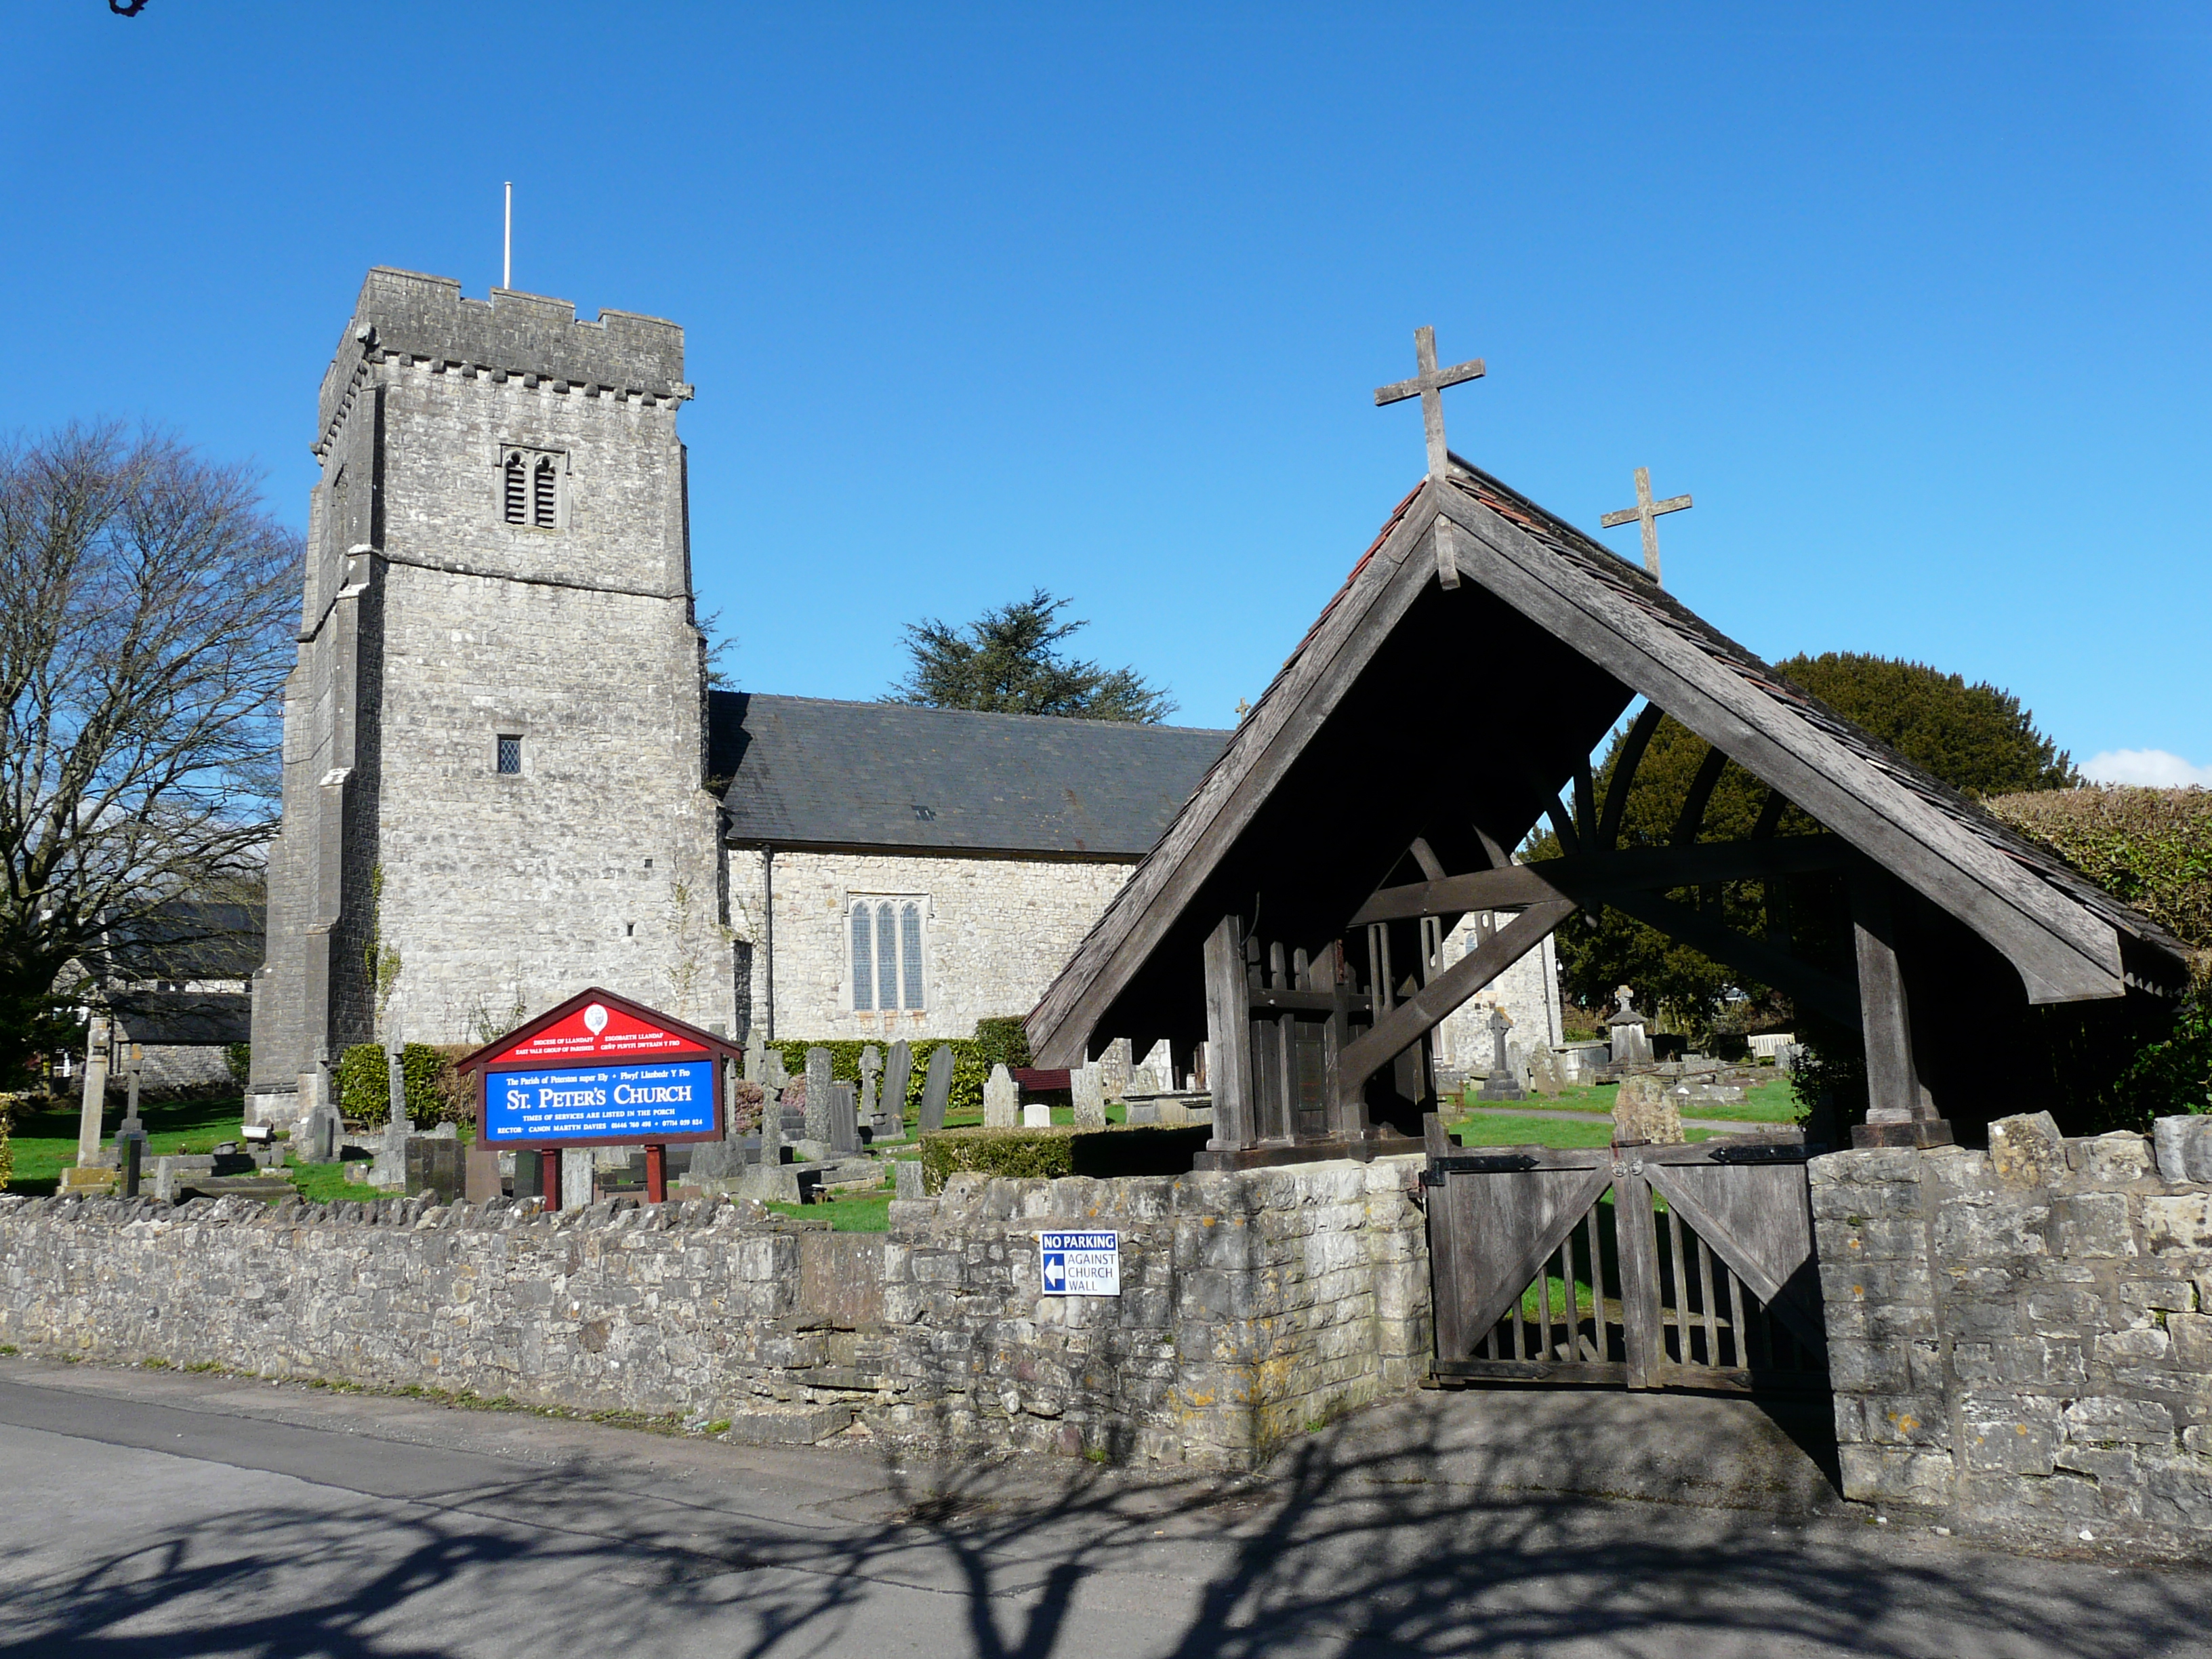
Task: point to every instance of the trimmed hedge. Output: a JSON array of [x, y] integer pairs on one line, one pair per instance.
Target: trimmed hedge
[[1063, 1150], [969, 1067], [434, 1093], [2151, 848]]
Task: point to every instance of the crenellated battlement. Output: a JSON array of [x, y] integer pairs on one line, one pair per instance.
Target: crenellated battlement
[[406, 313]]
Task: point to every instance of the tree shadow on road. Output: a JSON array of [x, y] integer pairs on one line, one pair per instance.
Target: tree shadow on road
[[1343, 1549]]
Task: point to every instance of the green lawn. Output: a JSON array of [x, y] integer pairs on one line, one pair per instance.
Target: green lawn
[[1505, 1129], [44, 1142], [1770, 1101]]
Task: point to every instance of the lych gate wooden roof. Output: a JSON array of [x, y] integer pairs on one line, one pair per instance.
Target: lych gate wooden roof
[[1450, 692]]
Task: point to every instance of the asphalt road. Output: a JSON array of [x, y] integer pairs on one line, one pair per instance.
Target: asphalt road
[[150, 1514]]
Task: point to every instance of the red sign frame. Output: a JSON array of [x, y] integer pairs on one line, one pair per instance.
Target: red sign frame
[[566, 1035]]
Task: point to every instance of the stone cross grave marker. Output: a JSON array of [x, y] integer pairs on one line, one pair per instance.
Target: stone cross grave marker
[[937, 1087], [1647, 512], [1501, 1084], [771, 1129], [94, 1104], [872, 1067], [898, 1074], [1631, 1046], [817, 1094], [1089, 1091], [1000, 1097]]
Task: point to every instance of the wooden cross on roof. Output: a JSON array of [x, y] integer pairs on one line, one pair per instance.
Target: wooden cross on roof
[[1647, 510], [1429, 385]]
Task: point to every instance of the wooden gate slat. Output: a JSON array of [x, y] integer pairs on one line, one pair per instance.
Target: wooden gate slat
[[1504, 1227], [1759, 1218]]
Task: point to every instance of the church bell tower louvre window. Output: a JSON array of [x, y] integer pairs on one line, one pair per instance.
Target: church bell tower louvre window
[[529, 488], [884, 958]]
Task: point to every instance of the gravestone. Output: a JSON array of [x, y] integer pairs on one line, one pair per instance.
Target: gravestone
[[1546, 1074], [937, 1087], [843, 1119], [771, 1132], [1113, 1068], [1645, 1111], [817, 1094], [898, 1076], [323, 1130], [1142, 1111], [1631, 1045], [1000, 1097], [434, 1165], [1036, 1115], [773, 1078], [752, 1062], [1502, 1083], [907, 1175], [1143, 1081], [1088, 1090], [872, 1068]]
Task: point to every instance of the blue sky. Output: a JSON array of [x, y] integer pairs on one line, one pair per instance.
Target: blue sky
[[980, 298]]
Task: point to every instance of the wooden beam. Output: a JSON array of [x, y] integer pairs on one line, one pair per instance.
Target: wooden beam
[[1589, 880], [1892, 1080], [1701, 792], [1630, 757], [1585, 804], [1228, 1035], [1796, 980], [1394, 1033], [1425, 855]]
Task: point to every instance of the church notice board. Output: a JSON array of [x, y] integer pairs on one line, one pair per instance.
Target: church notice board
[[600, 1071]]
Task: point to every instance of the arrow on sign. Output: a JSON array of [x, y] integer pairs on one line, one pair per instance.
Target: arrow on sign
[[1055, 1272]]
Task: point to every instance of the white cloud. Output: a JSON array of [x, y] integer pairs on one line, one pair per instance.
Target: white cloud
[[2152, 769]]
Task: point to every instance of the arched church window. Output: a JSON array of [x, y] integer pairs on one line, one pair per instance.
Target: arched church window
[[516, 501], [887, 997], [910, 951], [544, 484], [864, 978]]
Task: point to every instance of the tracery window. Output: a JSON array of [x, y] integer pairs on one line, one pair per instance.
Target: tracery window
[[885, 954]]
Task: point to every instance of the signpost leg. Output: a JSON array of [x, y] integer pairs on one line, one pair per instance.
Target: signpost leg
[[549, 1179], [656, 1175]]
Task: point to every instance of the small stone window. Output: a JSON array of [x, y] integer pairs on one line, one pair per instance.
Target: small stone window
[[510, 756], [885, 956], [531, 488]]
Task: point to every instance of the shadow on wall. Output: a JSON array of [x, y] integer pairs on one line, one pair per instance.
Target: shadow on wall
[[1340, 1552]]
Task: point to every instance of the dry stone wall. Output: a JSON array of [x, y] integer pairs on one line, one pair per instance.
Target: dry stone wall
[[2019, 1335], [1253, 1304]]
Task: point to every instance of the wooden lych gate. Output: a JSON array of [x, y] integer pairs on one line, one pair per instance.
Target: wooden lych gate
[[1644, 1266], [1447, 702]]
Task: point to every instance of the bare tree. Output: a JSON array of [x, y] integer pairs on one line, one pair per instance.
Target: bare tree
[[146, 623]]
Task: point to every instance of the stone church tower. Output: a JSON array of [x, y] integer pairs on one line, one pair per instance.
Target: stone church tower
[[494, 741]]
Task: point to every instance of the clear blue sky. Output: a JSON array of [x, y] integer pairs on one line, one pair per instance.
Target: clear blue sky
[[978, 298]]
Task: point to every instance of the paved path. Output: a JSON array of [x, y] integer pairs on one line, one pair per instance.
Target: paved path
[[153, 1514]]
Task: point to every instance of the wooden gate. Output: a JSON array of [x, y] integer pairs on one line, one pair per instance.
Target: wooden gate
[[1648, 1266]]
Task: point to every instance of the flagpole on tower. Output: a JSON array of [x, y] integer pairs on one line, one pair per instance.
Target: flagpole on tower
[[507, 246]]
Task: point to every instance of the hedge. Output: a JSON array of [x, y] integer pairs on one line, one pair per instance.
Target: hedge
[[970, 1067], [2151, 848], [1063, 1150], [434, 1093]]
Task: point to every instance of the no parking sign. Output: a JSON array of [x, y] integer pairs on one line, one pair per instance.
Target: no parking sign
[[1080, 1264]]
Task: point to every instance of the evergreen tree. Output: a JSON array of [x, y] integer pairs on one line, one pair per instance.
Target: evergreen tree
[[1004, 662]]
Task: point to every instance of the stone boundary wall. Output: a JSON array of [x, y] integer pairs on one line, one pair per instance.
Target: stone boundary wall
[[2019, 1337], [1253, 1304]]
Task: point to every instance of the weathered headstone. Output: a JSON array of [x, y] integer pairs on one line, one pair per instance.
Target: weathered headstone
[[1036, 1115], [94, 1104], [817, 1094], [1545, 1074], [907, 1174], [771, 1132], [898, 1077], [1113, 1068], [1088, 1090], [434, 1165], [1503, 1083], [843, 1123], [1143, 1081], [774, 1076], [752, 1062], [872, 1068], [1630, 1046], [1000, 1097], [1645, 1111], [937, 1087], [323, 1129]]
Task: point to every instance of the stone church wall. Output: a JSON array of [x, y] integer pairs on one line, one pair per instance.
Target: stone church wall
[[998, 930]]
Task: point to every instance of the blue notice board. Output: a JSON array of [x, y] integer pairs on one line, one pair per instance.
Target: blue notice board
[[640, 1103]]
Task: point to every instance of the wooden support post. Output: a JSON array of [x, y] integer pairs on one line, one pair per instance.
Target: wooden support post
[[656, 1175], [1228, 1037], [1347, 1117], [549, 1179], [1898, 1114]]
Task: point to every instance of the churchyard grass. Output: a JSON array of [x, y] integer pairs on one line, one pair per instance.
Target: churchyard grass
[[1771, 1102], [1509, 1129], [44, 1141]]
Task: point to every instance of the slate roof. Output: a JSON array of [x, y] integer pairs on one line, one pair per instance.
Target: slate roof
[[186, 939], [809, 771]]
